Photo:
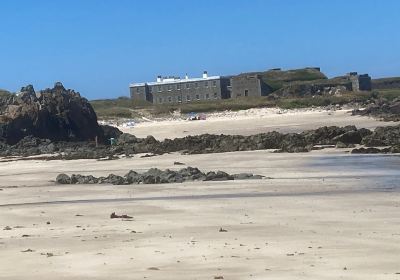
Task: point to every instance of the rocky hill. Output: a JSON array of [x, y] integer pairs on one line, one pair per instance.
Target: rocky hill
[[56, 114], [277, 78]]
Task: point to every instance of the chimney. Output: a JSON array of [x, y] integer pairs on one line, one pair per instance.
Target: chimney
[[205, 75], [159, 79], [186, 77]]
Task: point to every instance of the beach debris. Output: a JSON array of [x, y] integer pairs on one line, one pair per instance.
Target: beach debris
[[153, 268], [47, 254], [222, 230], [148, 155], [218, 277], [178, 163], [115, 216], [28, 251], [7, 228]]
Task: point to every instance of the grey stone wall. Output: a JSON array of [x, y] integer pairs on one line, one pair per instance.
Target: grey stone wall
[[183, 92], [248, 85], [139, 93], [360, 82]]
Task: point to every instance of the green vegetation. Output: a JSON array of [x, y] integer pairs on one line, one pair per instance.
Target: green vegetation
[[386, 80], [389, 94], [122, 107], [4, 93], [277, 78], [319, 101], [126, 108]]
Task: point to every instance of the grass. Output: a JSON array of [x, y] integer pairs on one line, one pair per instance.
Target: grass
[[122, 107], [276, 79], [4, 93], [389, 94], [319, 101], [126, 108]]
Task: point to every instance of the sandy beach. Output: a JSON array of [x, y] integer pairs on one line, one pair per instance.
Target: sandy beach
[[253, 121], [321, 215]]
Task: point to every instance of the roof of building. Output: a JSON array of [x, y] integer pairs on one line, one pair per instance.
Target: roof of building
[[175, 81]]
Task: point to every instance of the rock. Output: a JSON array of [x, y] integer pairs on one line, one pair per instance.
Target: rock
[[110, 132], [115, 216], [219, 176], [56, 114], [63, 179], [366, 151], [246, 176], [350, 137], [383, 136], [382, 109], [157, 176], [113, 179], [81, 179], [126, 138]]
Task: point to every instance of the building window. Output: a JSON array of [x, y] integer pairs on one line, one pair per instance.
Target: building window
[[159, 89], [246, 92], [178, 86], [150, 89], [179, 99], [160, 100], [169, 87], [188, 98], [214, 83], [169, 99], [207, 96], [137, 90], [187, 85], [196, 85], [215, 95], [206, 84], [197, 97]]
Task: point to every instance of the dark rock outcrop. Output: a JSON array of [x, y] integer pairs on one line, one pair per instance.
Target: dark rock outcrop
[[383, 136], [382, 109], [126, 144], [155, 176], [56, 114]]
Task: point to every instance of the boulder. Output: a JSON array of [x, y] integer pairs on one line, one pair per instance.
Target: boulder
[[383, 136], [56, 114], [350, 137], [63, 179]]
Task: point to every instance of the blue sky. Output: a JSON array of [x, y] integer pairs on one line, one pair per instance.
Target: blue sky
[[99, 47]]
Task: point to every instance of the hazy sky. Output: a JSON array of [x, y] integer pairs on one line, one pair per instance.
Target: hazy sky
[[99, 47]]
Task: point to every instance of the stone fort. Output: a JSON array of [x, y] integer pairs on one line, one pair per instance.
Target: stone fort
[[184, 90]]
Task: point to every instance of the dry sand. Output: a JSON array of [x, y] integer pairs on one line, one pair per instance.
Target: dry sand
[[253, 121], [322, 215]]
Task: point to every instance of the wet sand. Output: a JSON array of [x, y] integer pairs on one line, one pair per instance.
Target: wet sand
[[319, 215]]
